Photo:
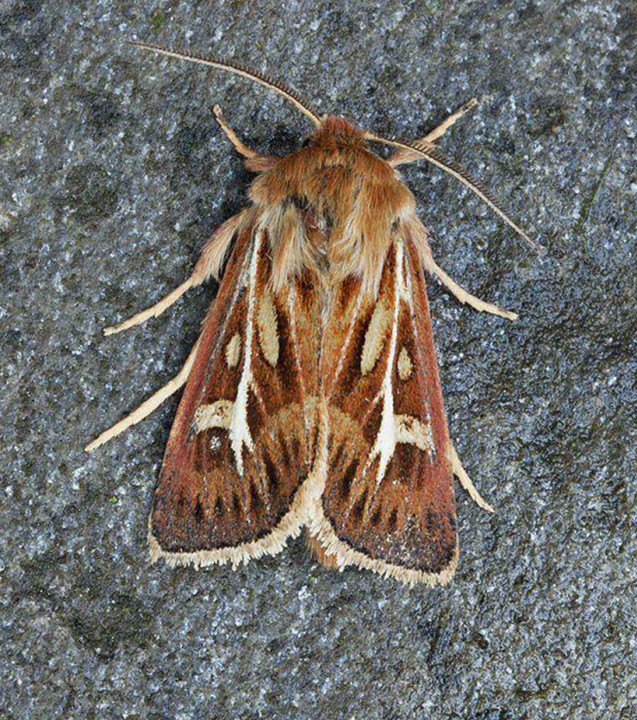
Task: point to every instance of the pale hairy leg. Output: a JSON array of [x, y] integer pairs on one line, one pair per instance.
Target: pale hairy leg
[[208, 265], [149, 405], [239, 145], [400, 157], [465, 481], [419, 236]]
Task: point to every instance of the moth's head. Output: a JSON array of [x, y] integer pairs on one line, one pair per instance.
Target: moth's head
[[334, 132]]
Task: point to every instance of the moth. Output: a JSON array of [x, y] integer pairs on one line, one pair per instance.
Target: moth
[[312, 396]]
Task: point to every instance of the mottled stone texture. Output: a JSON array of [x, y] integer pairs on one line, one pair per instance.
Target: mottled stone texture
[[112, 174]]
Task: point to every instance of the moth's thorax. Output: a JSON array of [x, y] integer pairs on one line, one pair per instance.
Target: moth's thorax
[[332, 205]]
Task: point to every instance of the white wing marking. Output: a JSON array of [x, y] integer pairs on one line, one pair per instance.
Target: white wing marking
[[397, 428], [226, 414]]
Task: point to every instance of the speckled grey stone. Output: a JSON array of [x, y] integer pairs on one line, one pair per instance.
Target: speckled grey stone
[[112, 175]]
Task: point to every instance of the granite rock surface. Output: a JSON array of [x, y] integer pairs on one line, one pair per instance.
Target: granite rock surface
[[113, 174]]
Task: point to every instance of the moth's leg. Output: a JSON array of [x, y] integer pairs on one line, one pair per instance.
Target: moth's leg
[[400, 157], [153, 311], [149, 405], [240, 147], [465, 481], [459, 292], [467, 297], [208, 264], [439, 131]]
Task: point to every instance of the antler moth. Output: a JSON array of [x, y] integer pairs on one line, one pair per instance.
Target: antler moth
[[312, 396]]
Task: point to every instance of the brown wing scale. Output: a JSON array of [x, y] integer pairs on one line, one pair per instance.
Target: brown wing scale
[[232, 485], [388, 503]]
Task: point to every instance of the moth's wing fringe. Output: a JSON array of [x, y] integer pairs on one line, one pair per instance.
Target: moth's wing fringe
[[321, 529], [275, 541]]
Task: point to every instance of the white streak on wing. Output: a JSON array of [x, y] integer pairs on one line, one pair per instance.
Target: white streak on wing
[[397, 428], [404, 290], [426, 424], [226, 414], [239, 430], [385, 444], [387, 436]]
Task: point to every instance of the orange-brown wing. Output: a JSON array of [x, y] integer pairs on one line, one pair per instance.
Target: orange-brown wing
[[232, 485], [388, 503]]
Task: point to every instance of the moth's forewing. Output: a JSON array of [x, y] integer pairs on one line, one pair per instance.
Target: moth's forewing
[[243, 441], [388, 503]]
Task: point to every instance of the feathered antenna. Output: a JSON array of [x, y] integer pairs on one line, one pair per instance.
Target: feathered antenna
[[238, 69], [435, 157], [425, 150]]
